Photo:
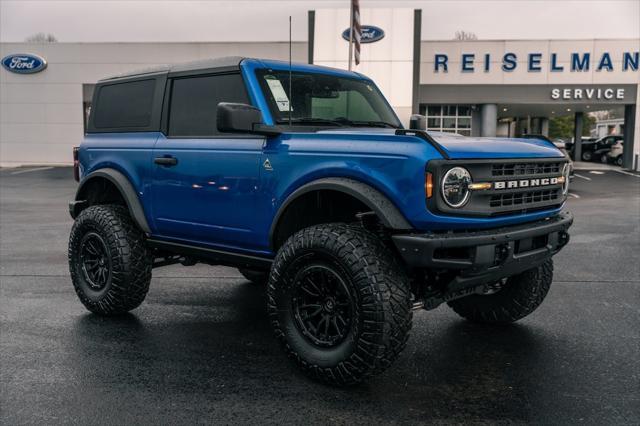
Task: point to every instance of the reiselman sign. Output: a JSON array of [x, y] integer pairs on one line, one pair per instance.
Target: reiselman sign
[[577, 62]]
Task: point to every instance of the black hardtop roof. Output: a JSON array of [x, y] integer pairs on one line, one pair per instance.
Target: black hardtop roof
[[227, 62]]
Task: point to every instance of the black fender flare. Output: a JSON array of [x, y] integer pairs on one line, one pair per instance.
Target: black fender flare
[[387, 212], [121, 182]]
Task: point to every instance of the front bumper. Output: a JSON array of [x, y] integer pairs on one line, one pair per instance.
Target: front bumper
[[482, 256]]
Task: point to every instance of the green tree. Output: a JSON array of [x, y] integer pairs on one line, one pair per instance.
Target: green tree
[[562, 127]]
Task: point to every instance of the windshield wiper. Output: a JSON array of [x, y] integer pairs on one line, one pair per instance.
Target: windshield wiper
[[367, 123], [312, 120]]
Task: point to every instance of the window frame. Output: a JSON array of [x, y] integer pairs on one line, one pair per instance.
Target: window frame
[[259, 75], [465, 131], [166, 104]]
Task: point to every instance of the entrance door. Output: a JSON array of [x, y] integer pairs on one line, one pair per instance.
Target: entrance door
[[205, 182]]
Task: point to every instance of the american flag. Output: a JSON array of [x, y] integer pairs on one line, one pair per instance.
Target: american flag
[[356, 30]]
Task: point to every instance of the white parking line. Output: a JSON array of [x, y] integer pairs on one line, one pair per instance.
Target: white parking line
[[627, 173], [571, 194], [595, 172], [30, 170], [581, 177]]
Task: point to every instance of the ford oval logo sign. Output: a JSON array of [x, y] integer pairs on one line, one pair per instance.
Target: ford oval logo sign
[[370, 34], [24, 63]]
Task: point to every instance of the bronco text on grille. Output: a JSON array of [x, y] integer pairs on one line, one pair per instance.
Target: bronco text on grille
[[508, 187]]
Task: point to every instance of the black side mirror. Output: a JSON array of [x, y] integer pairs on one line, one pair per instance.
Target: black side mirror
[[242, 118], [418, 122]]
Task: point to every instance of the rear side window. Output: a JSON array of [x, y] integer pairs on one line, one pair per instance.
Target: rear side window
[[124, 105], [194, 101]]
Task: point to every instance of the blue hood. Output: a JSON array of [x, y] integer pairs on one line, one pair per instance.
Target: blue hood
[[476, 147], [465, 147]]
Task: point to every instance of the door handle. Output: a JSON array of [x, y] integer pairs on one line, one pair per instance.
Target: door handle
[[166, 161]]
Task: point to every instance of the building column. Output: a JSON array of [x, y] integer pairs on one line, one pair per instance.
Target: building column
[[417, 47], [489, 119], [544, 126], [536, 126], [630, 151], [635, 152], [577, 136], [476, 122]]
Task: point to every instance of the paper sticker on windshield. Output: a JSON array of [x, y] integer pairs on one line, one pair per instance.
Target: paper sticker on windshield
[[282, 100]]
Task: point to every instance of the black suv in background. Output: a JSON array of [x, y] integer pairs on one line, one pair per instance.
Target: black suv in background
[[595, 149]]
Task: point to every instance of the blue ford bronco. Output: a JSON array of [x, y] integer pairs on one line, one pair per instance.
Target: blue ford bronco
[[304, 179]]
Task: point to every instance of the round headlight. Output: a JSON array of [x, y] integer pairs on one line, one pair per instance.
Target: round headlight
[[455, 187], [566, 172]]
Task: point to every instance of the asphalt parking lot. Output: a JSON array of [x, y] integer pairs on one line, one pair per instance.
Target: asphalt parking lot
[[199, 350]]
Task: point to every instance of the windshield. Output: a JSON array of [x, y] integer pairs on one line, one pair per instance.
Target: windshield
[[325, 100]]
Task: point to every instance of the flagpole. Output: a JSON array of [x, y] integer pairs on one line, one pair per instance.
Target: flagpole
[[350, 33]]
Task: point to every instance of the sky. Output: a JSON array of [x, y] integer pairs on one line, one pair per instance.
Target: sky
[[267, 20]]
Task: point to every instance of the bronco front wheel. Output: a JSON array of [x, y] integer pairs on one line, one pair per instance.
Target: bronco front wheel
[[108, 261], [339, 302], [510, 299]]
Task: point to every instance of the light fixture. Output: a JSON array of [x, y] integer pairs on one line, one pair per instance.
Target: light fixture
[[505, 109], [568, 109]]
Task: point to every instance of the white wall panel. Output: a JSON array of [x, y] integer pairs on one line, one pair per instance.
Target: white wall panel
[[41, 115], [389, 61]]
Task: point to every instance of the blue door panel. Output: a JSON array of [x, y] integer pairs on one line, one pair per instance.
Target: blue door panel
[[209, 195]]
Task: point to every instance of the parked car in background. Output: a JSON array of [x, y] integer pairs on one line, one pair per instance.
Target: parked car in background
[[615, 153], [596, 150]]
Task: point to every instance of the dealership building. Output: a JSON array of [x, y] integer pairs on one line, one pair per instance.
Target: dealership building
[[502, 88]]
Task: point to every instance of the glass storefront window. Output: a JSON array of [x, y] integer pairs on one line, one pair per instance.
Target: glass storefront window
[[449, 122], [449, 110], [464, 122], [448, 118], [434, 122], [434, 111], [464, 110]]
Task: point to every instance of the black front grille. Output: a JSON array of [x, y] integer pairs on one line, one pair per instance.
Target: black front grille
[[521, 169], [519, 199], [525, 186]]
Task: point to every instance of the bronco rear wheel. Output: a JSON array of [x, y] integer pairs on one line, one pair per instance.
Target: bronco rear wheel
[[339, 302], [108, 261], [508, 300]]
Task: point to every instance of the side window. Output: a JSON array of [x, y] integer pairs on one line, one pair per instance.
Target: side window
[[193, 103], [124, 105]]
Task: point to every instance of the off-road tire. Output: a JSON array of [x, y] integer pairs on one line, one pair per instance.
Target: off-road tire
[[381, 302], [255, 276], [130, 262], [520, 296]]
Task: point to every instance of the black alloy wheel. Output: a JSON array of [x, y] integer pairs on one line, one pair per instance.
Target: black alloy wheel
[[322, 305], [96, 261], [109, 263], [339, 301]]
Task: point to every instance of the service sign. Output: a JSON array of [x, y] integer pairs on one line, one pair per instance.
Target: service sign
[[370, 34], [24, 63]]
